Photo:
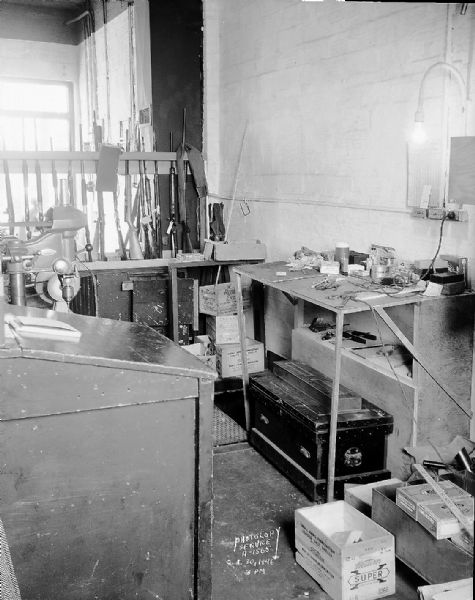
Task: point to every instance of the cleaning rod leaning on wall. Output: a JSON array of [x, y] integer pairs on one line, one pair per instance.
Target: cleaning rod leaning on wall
[[233, 199]]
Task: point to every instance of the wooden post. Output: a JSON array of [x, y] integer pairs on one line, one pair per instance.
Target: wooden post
[[174, 296], [334, 407], [242, 339]]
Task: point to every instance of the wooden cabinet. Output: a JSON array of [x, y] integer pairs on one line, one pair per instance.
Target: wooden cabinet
[[106, 461]]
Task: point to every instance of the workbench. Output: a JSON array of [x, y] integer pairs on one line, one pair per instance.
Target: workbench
[[438, 331], [106, 462]]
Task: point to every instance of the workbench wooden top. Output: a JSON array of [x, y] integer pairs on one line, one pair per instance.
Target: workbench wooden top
[[298, 284], [106, 342]]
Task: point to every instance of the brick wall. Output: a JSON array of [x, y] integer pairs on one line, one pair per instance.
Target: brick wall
[[328, 92]]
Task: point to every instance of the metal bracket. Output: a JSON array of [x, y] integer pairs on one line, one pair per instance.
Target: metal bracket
[[290, 298]]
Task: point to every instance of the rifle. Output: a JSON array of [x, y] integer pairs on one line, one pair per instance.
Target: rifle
[[182, 171], [135, 251], [8, 189], [39, 190], [84, 209], [27, 198], [156, 212], [54, 175], [144, 218], [171, 231], [84, 204], [148, 206]]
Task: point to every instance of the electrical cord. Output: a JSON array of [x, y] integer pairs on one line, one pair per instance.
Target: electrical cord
[[432, 263]]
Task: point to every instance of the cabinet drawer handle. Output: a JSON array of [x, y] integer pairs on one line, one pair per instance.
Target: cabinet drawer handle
[[264, 419], [305, 452]]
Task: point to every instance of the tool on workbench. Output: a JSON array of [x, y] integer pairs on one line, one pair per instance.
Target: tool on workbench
[[359, 336], [349, 335], [345, 297], [326, 284], [320, 324], [8, 191]]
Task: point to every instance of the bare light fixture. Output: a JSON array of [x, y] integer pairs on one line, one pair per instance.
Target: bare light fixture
[[419, 133]]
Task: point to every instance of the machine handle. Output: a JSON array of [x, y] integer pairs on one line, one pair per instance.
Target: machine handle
[[305, 452], [264, 419]]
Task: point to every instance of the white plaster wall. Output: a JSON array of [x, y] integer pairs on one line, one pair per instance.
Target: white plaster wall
[[115, 80], [328, 91], [40, 60]]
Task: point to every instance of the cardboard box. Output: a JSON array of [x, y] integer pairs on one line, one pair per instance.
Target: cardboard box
[[358, 571], [436, 561], [220, 299], [409, 497], [201, 350], [438, 519], [462, 588], [229, 362], [223, 329], [361, 496], [225, 251]]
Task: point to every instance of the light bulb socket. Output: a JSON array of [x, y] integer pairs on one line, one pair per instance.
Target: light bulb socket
[[419, 116]]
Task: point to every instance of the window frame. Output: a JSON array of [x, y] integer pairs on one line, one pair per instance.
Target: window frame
[[33, 114]]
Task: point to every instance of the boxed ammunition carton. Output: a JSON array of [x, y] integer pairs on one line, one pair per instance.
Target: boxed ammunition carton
[[223, 329], [439, 520], [436, 561], [362, 570], [229, 361], [410, 497]]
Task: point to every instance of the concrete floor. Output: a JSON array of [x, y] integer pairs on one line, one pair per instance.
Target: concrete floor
[[252, 497]]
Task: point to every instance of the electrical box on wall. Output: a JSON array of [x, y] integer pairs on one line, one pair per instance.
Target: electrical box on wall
[[451, 214]]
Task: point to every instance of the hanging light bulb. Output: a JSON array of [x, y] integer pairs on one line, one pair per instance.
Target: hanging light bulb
[[419, 134]]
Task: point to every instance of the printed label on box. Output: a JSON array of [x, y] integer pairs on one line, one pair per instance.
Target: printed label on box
[[220, 299], [229, 361]]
